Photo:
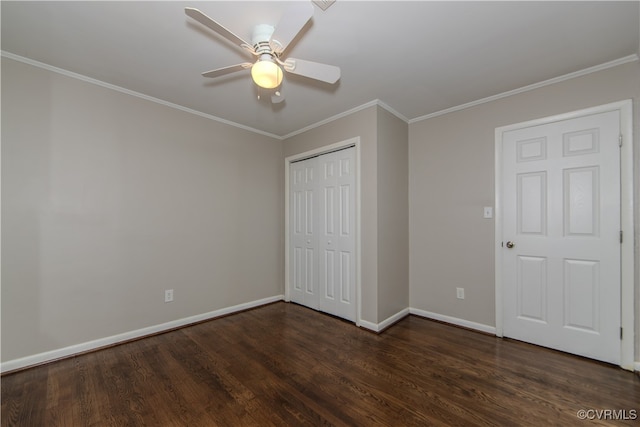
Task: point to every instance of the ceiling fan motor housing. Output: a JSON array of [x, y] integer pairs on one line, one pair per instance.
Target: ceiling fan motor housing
[[265, 72], [261, 37]]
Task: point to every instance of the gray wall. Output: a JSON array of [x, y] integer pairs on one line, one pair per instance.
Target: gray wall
[[393, 215], [108, 199], [451, 164]]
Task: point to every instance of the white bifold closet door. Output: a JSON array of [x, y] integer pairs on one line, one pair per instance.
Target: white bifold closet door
[[322, 233]]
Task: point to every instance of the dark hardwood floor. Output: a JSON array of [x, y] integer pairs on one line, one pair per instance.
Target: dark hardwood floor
[[286, 365]]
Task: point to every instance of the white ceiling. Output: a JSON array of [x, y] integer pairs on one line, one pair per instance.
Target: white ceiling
[[416, 57]]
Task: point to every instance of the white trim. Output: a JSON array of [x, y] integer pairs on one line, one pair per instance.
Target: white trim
[[120, 89], [375, 102], [627, 224], [497, 215], [330, 119], [358, 233], [596, 68], [392, 111], [378, 102], [377, 327], [369, 325], [454, 321], [626, 218], [47, 356], [393, 319], [100, 83], [636, 367], [287, 279], [580, 73], [355, 142], [132, 93]]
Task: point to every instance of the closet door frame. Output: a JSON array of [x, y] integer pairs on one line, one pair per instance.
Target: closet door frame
[[352, 142]]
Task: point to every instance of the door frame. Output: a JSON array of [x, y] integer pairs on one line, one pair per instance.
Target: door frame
[[627, 260], [351, 142]]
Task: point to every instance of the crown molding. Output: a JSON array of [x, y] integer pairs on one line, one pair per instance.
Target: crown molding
[[120, 89], [375, 102], [584, 72], [331, 119]]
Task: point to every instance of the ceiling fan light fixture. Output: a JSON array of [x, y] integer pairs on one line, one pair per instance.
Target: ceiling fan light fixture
[[266, 73]]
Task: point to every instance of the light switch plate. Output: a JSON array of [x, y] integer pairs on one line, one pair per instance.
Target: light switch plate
[[488, 212]]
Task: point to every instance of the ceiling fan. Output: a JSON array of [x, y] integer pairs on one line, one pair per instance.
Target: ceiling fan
[[268, 44]]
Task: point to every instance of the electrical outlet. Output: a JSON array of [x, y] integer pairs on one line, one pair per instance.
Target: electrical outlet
[[460, 293], [168, 295]]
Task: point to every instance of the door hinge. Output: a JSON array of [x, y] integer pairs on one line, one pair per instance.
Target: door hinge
[[620, 236], [620, 332], [620, 140]]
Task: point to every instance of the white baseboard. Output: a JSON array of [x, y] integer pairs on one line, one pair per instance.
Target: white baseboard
[[636, 367], [368, 325], [377, 327], [393, 319], [454, 321], [47, 356]]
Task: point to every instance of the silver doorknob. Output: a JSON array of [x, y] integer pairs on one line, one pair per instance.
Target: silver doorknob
[[510, 244]]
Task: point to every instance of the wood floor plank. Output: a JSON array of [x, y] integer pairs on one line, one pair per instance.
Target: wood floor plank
[[282, 364]]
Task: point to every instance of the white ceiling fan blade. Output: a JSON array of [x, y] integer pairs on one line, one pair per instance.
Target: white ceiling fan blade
[[292, 21], [227, 70], [313, 70], [210, 23]]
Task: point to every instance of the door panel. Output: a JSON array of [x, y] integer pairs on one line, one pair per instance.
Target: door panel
[[581, 202], [329, 274], [561, 210], [532, 209], [532, 288], [581, 291]]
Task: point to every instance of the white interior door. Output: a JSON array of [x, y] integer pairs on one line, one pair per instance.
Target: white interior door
[[322, 233], [561, 230]]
